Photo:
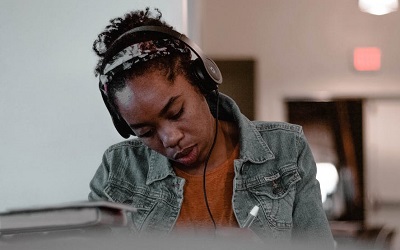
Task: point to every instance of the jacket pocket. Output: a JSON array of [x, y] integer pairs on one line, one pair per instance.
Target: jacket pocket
[[139, 197], [275, 194]]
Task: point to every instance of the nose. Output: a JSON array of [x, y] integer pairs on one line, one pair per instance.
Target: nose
[[170, 136]]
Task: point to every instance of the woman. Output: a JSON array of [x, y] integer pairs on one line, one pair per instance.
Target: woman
[[196, 162]]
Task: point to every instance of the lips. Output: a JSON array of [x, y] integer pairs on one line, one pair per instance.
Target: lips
[[186, 156]]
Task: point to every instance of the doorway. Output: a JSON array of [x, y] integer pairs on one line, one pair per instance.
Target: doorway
[[334, 132]]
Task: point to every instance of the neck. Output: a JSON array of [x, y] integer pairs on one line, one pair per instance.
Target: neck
[[228, 137]]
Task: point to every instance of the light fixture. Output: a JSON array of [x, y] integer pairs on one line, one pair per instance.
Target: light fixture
[[378, 7], [328, 178]]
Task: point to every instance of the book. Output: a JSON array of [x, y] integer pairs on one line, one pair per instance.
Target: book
[[64, 216]]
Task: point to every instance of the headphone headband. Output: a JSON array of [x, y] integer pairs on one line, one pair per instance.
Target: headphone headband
[[209, 65]]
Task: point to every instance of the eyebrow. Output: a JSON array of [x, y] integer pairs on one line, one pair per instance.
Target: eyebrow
[[163, 111]]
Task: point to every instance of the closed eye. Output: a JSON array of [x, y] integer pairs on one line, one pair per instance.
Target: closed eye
[[178, 115], [146, 134]]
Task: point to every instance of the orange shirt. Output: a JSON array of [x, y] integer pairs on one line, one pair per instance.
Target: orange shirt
[[219, 185]]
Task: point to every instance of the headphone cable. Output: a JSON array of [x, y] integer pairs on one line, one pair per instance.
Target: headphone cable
[[206, 162]]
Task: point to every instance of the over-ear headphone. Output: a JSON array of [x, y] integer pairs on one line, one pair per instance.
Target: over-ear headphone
[[204, 71]]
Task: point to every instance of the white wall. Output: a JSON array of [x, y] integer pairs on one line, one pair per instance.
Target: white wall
[[382, 135], [303, 48], [54, 126]]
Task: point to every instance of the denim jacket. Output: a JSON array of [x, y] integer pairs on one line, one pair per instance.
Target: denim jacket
[[275, 171]]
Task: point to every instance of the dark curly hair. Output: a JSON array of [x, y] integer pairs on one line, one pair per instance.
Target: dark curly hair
[[108, 44]]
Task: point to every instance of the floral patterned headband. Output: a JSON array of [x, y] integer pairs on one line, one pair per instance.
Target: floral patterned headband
[[136, 53]]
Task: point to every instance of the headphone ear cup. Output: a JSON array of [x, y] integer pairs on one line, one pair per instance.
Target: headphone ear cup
[[122, 127], [202, 77]]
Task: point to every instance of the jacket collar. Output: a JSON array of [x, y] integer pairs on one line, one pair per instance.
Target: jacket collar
[[253, 147], [159, 167]]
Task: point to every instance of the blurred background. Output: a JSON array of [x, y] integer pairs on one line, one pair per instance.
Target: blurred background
[[330, 66]]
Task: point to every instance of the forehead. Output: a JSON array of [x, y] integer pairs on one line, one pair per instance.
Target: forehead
[[148, 92], [145, 86]]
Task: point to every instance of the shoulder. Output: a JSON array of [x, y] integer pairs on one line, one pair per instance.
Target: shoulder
[[129, 146], [132, 143], [127, 152], [279, 131], [281, 137], [263, 126]]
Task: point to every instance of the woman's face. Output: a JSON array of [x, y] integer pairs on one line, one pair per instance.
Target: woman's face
[[171, 118]]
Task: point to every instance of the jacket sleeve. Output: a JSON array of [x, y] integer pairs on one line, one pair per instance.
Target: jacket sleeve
[[97, 184], [309, 218]]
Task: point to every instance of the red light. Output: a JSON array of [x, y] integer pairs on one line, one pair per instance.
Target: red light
[[367, 59]]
